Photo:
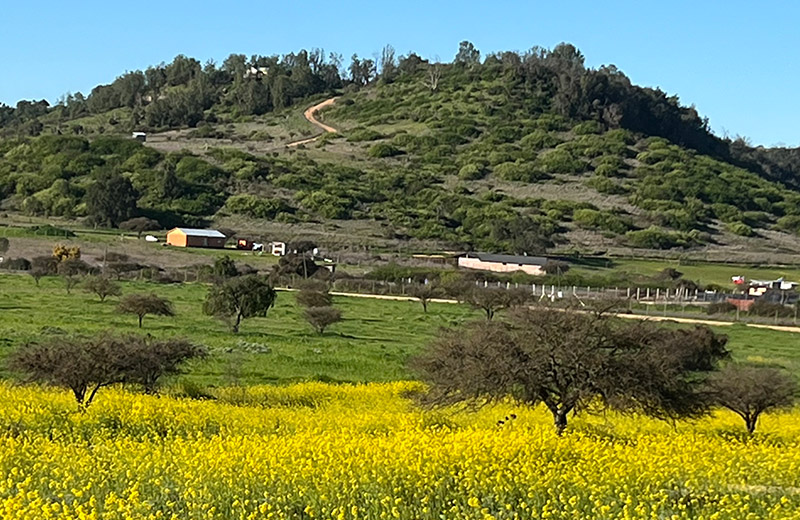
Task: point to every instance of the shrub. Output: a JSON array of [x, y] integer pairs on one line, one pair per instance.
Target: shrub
[[560, 161], [740, 228], [605, 185], [720, 308], [322, 317], [471, 172], [380, 150], [587, 127], [790, 223], [657, 238], [363, 134], [604, 220], [539, 140], [256, 207], [16, 264], [762, 307]]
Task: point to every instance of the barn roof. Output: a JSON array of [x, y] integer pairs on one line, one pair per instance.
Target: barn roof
[[508, 259], [209, 233]]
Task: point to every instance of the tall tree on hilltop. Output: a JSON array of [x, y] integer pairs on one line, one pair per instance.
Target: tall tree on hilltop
[[467, 54]]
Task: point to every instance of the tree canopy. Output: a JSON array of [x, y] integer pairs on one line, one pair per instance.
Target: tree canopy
[[571, 360]]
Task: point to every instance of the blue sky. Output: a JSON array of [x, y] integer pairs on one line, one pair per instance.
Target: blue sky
[[734, 60]]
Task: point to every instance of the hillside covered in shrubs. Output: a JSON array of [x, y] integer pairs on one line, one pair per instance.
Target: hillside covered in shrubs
[[515, 152]]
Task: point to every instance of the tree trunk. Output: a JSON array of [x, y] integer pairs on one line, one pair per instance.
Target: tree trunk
[[560, 420], [424, 305], [235, 326], [141, 317], [751, 421]]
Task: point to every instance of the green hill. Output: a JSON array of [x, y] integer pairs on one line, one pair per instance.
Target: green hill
[[513, 152]]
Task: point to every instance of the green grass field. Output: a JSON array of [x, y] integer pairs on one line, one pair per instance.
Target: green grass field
[[373, 342], [702, 272]]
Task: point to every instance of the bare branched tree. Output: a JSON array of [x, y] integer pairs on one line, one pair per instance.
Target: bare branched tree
[[572, 360], [434, 75], [750, 391]]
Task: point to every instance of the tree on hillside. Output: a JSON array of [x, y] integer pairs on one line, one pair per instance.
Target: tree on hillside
[[139, 225], [750, 391], [102, 286], [110, 199], [467, 54], [239, 298], [322, 317], [572, 360], [143, 304]]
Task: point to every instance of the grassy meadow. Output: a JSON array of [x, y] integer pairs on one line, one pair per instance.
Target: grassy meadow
[[372, 343]]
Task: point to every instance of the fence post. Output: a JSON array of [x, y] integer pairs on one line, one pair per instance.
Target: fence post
[[647, 297], [658, 291], [533, 288], [629, 293], [638, 290]]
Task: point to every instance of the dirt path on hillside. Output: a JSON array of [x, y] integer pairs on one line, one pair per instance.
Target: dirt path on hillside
[[309, 115]]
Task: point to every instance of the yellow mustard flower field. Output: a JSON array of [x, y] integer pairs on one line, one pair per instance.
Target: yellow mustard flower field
[[315, 450]]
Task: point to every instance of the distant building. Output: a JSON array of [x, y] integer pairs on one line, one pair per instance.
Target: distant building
[[255, 72], [139, 136], [503, 263], [187, 237], [277, 248]]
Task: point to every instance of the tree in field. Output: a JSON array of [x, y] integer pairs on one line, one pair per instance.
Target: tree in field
[[239, 298], [110, 199], [139, 225], [143, 304], [322, 317], [493, 299], [4, 245], [42, 266], [102, 286], [144, 360], [224, 267], [313, 293], [572, 360], [84, 365], [425, 293], [750, 391], [71, 271]]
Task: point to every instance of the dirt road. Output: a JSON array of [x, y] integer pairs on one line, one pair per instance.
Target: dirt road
[[697, 321], [309, 115]]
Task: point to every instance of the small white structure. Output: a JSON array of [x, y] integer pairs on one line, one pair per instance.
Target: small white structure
[[503, 263], [150, 238], [139, 136], [255, 72], [278, 248]]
